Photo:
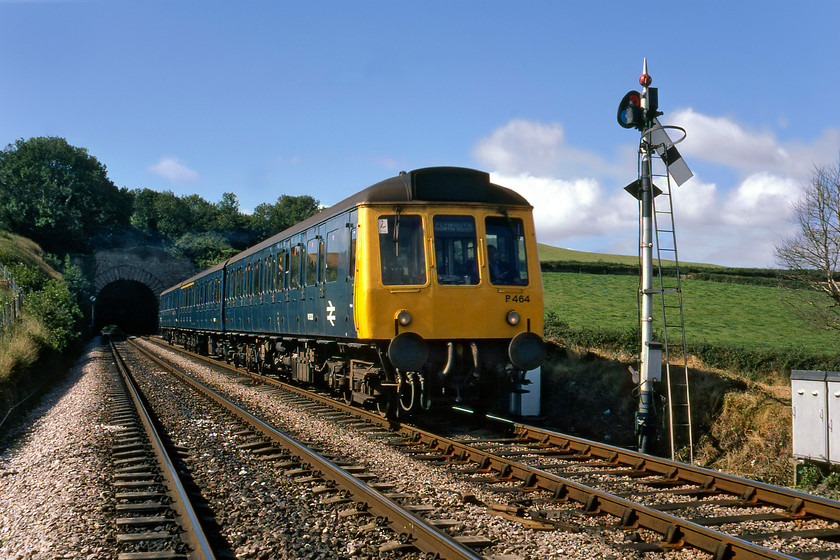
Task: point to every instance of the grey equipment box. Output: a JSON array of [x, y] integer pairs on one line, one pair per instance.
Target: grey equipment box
[[810, 409], [832, 396]]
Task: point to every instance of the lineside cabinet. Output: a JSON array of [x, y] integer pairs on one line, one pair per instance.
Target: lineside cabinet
[[815, 398]]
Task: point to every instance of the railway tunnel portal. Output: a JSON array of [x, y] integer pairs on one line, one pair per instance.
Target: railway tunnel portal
[[127, 285]]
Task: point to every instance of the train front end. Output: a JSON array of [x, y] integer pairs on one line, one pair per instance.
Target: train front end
[[448, 284]]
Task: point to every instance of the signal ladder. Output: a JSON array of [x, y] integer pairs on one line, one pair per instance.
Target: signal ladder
[[673, 320]]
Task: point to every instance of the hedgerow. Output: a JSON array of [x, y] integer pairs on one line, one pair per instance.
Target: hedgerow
[[757, 364]]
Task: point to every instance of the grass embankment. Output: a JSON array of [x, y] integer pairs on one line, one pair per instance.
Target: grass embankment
[[31, 353], [743, 337]]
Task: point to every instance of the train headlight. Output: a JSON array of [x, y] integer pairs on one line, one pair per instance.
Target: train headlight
[[404, 318], [513, 318]]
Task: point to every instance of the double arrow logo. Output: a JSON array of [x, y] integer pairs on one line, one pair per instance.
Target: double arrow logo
[[331, 313]]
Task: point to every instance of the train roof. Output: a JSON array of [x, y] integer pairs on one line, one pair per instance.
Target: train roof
[[430, 184], [445, 185], [191, 279]]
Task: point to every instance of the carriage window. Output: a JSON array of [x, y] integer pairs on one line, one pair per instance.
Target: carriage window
[[311, 262], [506, 259], [401, 253], [281, 270], [455, 250], [294, 276], [332, 256]]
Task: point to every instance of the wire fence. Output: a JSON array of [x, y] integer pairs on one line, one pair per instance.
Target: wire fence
[[12, 301]]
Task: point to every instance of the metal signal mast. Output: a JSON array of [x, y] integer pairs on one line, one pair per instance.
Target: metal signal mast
[[640, 111]]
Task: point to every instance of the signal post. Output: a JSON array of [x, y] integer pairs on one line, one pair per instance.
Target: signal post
[[640, 111]]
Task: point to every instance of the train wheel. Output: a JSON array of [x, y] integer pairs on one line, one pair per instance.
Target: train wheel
[[386, 402], [387, 407]]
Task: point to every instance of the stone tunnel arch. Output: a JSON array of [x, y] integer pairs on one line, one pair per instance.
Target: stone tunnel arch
[[128, 284], [129, 272], [128, 303]]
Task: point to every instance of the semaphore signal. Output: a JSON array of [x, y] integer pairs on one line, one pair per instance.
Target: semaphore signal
[[640, 110]]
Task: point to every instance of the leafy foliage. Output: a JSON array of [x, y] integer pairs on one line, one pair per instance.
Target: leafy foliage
[[52, 302], [208, 233], [269, 219], [56, 306], [56, 194], [204, 249]]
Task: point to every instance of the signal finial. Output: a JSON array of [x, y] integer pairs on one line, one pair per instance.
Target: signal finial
[[645, 79]]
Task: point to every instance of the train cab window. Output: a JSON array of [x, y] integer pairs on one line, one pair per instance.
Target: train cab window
[[506, 258], [455, 250], [401, 253], [333, 245]]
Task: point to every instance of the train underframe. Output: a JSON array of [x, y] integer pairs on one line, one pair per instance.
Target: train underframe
[[474, 374]]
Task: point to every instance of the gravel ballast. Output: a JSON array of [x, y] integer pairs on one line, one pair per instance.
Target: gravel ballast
[[53, 471], [56, 494]]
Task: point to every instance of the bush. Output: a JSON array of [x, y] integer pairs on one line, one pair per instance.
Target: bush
[[56, 306], [51, 302]]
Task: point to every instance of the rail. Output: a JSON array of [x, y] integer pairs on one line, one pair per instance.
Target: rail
[[194, 535], [676, 531], [422, 536]]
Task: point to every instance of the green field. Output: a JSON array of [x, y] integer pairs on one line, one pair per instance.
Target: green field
[[718, 313]]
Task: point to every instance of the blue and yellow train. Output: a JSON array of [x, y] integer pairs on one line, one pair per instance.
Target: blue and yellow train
[[425, 287]]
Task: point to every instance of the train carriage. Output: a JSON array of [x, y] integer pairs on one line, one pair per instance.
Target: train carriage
[[425, 286]]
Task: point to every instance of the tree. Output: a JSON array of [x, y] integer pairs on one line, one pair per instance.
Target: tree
[[57, 194], [269, 219], [813, 254], [205, 249], [228, 216]]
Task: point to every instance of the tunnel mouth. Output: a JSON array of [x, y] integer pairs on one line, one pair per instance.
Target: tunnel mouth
[[129, 304]]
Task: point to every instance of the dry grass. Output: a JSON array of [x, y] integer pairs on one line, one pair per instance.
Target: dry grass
[[20, 346], [740, 427], [15, 248], [751, 437]]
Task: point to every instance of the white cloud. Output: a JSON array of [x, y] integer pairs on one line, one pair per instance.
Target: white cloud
[[736, 224], [761, 199], [723, 141], [172, 169], [535, 148]]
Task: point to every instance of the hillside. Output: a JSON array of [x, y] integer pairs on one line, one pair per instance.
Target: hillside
[[34, 349], [740, 328], [725, 306], [549, 253]]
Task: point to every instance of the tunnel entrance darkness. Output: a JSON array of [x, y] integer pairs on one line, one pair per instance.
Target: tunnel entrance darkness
[[130, 304]]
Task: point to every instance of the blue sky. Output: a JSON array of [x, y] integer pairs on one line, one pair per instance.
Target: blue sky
[[324, 98]]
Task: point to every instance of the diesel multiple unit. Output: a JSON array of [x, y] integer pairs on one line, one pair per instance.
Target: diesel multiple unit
[[424, 287]]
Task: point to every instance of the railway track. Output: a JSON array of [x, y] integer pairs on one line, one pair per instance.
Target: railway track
[[156, 517], [552, 481], [341, 482]]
